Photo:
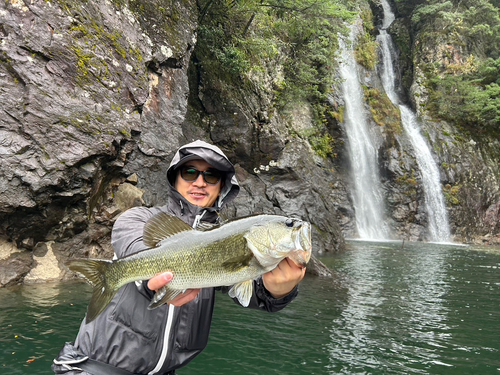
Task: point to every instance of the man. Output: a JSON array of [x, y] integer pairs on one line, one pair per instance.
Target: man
[[127, 338]]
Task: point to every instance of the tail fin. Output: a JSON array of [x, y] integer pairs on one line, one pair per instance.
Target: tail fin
[[95, 272]]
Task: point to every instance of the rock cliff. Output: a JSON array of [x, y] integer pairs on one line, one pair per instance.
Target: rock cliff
[[468, 157], [97, 96], [94, 97]]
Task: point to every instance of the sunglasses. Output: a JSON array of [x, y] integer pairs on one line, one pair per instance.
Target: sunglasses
[[211, 176]]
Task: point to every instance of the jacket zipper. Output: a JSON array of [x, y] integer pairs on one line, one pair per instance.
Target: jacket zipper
[[166, 338], [197, 219], [170, 317]]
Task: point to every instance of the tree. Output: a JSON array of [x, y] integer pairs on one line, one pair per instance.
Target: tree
[[238, 36]]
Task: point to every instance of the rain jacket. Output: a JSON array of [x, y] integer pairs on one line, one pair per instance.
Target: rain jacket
[[126, 334]]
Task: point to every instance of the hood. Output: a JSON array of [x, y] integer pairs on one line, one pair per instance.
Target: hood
[[214, 156]]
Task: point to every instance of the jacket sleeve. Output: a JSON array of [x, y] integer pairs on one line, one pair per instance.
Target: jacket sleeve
[[263, 300], [126, 236]]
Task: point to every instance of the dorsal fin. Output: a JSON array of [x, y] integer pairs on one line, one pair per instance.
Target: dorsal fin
[[162, 226]]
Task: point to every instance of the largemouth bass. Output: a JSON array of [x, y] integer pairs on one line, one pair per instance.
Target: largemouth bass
[[233, 254]]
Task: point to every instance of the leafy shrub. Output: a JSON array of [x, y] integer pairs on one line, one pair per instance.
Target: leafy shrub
[[472, 100], [238, 36]]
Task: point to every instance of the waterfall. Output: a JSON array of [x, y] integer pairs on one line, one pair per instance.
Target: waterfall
[[367, 194], [433, 195]]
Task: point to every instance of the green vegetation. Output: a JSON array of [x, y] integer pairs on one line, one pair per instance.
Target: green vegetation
[[463, 80], [384, 113], [294, 42], [322, 145], [366, 51], [338, 114], [366, 46], [473, 22], [469, 100], [407, 180], [451, 193], [237, 38]]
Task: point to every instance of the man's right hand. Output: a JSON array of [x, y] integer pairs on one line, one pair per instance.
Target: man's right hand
[[163, 279]]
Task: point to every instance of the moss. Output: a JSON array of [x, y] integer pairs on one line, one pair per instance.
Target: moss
[[451, 193], [125, 132], [407, 180], [90, 40], [338, 114], [136, 53], [83, 60], [165, 15], [322, 145], [383, 111], [366, 51]]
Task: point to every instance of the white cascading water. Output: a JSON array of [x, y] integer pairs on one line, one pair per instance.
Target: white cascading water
[[367, 194], [433, 195]]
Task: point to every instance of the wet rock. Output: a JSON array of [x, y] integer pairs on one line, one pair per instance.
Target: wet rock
[[317, 268], [128, 196], [14, 268], [46, 266], [7, 248]]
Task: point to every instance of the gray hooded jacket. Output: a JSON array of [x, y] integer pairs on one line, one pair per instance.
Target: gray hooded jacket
[[126, 334]]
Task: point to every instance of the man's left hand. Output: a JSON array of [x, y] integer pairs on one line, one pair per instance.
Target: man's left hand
[[281, 281], [163, 279]]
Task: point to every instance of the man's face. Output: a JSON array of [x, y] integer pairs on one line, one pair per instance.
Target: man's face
[[198, 192]]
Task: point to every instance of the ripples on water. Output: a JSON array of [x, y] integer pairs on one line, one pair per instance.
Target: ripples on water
[[421, 309], [35, 320]]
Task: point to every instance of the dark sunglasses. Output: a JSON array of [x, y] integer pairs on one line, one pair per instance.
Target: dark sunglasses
[[211, 176]]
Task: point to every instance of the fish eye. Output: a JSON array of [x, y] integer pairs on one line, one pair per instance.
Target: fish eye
[[289, 223]]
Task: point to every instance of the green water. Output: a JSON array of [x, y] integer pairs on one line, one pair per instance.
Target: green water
[[421, 309]]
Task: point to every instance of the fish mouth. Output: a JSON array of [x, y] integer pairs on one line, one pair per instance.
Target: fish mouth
[[303, 246], [300, 258]]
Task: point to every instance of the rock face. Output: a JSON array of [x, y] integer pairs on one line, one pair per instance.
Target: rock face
[[468, 163], [94, 97], [97, 96]]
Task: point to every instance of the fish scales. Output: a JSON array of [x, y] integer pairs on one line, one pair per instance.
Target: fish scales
[[231, 255], [195, 264]]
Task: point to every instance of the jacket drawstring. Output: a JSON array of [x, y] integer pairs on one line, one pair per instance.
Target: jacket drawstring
[[197, 219]]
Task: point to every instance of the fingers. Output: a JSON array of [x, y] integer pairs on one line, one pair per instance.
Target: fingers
[[288, 270], [185, 297], [163, 279], [283, 279], [160, 280]]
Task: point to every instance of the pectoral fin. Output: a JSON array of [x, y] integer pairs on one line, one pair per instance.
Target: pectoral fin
[[162, 296], [242, 291]]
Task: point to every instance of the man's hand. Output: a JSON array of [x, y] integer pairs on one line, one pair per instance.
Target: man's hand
[[163, 279], [281, 281]]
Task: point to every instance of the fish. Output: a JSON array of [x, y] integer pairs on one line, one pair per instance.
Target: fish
[[232, 255]]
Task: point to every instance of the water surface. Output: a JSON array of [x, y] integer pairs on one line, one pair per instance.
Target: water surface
[[417, 309]]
